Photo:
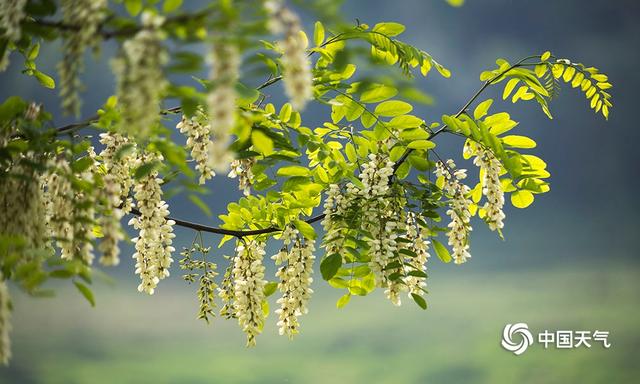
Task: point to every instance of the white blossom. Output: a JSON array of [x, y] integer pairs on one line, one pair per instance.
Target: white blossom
[[110, 223], [295, 280], [458, 211], [119, 158], [10, 17], [87, 14], [140, 81], [490, 168], [249, 283], [60, 213], [417, 235], [5, 322], [23, 207], [242, 170], [296, 66], [199, 143], [222, 102], [154, 242]]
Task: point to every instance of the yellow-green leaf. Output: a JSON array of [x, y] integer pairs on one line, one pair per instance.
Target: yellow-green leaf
[[421, 144], [521, 199], [293, 170], [305, 229], [482, 109], [393, 108], [344, 300], [516, 141], [262, 142], [318, 34]]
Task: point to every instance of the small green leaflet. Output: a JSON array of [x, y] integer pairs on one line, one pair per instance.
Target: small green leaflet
[[306, 229], [330, 265], [441, 251], [86, 292]]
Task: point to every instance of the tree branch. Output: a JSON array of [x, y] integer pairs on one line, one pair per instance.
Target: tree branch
[[230, 232], [122, 32]]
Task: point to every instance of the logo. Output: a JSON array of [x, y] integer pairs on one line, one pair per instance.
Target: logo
[[516, 338]]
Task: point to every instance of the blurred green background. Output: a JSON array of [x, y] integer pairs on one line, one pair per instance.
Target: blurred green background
[[568, 262]]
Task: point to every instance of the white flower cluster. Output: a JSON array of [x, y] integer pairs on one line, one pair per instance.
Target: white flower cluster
[[60, 209], [335, 204], [140, 81], [296, 71], [417, 235], [87, 14], [200, 144], [295, 280], [83, 222], [5, 322], [490, 168], [458, 211], [242, 170], [119, 163], [10, 18], [110, 223], [222, 102], [154, 242], [21, 199], [381, 216], [248, 272], [383, 220]]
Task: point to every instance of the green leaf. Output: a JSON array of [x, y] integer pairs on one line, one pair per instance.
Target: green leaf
[[293, 170], [262, 142], [270, 288], [86, 292], [511, 84], [133, 6], [44, 79], [419, 300], [393, 108], [146, 169], [318, 34], [330, 265], [441, 251], [516, 141], [171, 5], [377, 93], [482, 109], [344, 300], [305, 229], [521, 199], [389, 29], [421, 144]]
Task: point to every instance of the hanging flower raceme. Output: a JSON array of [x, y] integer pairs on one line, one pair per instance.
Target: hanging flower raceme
[[5, 322], [154, 242], [418, 244], [140, 81], [198, 143], [458, 211], [222, 101], [296, 66], [490, 168], [119, 158], [10, 18], [242, 170], [295, 280], [248, 272], [87, 15], [110, 223], [60, 210], [21, 199]]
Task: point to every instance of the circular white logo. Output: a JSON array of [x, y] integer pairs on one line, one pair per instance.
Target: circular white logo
[[519, 330]]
